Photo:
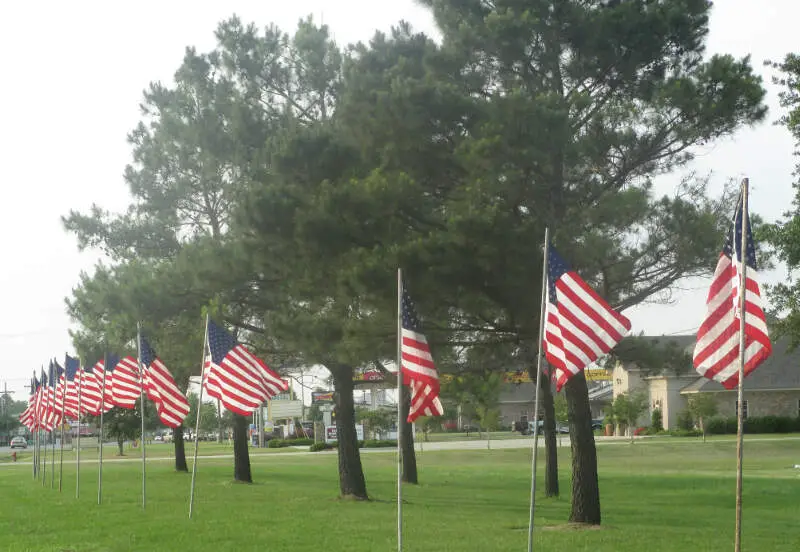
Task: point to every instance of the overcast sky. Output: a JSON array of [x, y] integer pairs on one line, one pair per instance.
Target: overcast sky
[[70, 92]]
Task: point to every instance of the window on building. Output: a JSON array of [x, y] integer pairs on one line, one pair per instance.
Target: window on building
[[744, 409]]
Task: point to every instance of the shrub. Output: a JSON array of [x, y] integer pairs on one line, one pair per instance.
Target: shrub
[[756, 424], [316, 447], [375, 443], [656, 420], [685, 432], [684, 420], [281, 443]]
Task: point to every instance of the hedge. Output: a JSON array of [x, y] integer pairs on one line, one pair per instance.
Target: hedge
[[281, 443], [762, 424]]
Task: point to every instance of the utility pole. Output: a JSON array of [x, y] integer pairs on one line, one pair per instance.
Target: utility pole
[[6, 396]]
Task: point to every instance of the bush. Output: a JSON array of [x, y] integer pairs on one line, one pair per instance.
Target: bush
[[721, 426], [757, 424], [656, 420], [316, 447], [685, 432], [684, 420], [375, 443], [281, 443]]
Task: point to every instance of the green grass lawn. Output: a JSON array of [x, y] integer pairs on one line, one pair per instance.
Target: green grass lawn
[[658, 495]]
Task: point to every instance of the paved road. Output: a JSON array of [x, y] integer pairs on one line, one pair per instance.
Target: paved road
[[522, 442]]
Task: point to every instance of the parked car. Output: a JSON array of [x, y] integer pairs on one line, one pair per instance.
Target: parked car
[[560, 428], [19, 442]]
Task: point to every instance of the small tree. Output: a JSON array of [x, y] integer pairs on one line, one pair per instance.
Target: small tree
[[122, 424], [657, 420], [489, 419], [702, 406], [628, 409]]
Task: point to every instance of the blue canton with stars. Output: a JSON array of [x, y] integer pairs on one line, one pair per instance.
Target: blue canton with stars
[[110, 362], [148, 354], [71, 366], [556, 268], [735, 236], [43, 378], [220, 342], [55, 373], [409, 315]]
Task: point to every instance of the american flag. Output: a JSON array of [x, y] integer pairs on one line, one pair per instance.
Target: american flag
[[28, 416], [171, 404], [42, 396], [90, 391], [104, 374], [54, 411], [419, 371], [716, 354], [69, 383], [126, 388], [580, 326], [235, 376]]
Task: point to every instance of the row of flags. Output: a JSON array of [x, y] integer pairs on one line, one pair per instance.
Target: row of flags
[[579, 328], [231, 373]]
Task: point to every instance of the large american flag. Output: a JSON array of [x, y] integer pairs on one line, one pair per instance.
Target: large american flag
[[70, 384], [42, 402], [235, 376], [580, 326], [28, 416], [104, 374], [716, 353], [419, 371], [89, 389], [126, 388], [54, 411], [171, 404]]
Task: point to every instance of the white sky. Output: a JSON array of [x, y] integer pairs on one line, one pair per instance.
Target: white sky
[[71, 89]]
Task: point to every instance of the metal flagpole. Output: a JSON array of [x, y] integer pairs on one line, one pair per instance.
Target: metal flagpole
[[78, 449], [35, 435], [742, 346], [141, 399], [197, 423], [63, 418], [100, 442], [399, 410], [534, 453], [53, 444], [36, 431], [44, 462]]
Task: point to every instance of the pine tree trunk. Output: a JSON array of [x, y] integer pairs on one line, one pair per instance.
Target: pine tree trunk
[[241, 453], [407, 440], [585, 488], [180, 449], [550, 446], [351, 475]]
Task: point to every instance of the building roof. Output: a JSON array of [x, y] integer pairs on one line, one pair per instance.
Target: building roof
[[780, 371]]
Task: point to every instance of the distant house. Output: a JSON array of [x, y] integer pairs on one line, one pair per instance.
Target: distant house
[[517, 400], [773, 389]]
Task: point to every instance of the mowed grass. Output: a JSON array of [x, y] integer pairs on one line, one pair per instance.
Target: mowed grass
[[658, 495]]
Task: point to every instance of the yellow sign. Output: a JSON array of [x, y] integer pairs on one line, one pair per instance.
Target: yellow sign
[[598, 375], [508, 377]]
